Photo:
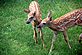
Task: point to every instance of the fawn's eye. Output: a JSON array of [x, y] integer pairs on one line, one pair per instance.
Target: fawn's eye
[[44, 23]]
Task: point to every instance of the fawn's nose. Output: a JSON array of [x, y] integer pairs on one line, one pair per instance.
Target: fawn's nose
[[27, 22]]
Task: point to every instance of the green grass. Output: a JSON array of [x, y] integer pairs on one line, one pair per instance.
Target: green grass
[[16, 38]]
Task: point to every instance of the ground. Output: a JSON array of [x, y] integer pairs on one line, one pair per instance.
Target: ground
[[16, 37]]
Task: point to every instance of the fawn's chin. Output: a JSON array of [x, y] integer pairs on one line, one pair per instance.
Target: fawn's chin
[[38, 27]]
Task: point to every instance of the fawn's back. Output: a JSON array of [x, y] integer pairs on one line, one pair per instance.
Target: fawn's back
[[34, 7], [69, 19]]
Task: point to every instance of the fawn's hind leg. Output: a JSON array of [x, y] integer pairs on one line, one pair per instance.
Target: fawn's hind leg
[[66, 38], [80, 38]]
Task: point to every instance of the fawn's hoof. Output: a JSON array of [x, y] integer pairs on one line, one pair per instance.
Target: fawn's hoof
[[70, 47], [44, 46]]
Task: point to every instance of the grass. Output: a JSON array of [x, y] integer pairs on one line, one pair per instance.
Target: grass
[[16, 38]]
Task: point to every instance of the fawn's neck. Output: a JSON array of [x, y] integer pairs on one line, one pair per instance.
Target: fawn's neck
[[37, 21], [53, 26]]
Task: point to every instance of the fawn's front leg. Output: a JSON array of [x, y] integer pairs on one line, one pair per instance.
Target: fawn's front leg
[[35, 35], [66, 38], [41, 36], [52, 43]]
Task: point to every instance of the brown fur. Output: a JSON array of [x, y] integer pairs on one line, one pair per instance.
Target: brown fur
[[35, 8], [62, 23], [70, 19]]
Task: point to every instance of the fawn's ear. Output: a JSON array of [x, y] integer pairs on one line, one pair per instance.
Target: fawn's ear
[[49, 14], [27, 10]]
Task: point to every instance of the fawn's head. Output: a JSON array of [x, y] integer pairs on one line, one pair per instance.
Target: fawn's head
[[31, 16], [46, 21]]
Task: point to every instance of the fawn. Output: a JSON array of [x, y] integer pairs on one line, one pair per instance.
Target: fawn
[[80, 38], [34, 17], [62, 23]]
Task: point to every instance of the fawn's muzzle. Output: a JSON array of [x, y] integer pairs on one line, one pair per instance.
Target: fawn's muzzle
[[27, 22], [40, 25]]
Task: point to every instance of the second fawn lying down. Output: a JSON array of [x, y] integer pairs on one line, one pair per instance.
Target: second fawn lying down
[[62, 23]]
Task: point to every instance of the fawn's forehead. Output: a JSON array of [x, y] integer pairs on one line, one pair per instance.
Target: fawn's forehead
[[30, 14]]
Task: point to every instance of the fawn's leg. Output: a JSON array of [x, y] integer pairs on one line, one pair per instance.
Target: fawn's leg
[[41, 36], [80, 38], [52, 43], [35, 35], [66, 38]]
